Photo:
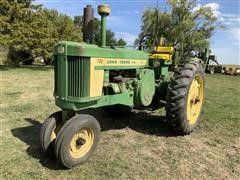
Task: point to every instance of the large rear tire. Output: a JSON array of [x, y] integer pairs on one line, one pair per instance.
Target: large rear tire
[[77, 140], [185, 96]]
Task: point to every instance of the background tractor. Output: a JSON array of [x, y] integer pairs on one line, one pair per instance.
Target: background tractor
[[117, 79], [212, 66]]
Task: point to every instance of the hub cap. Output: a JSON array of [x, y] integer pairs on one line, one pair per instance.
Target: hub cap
[[81, 142], [195, 99]]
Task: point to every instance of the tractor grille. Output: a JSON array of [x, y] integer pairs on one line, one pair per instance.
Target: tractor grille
[[78, 72]]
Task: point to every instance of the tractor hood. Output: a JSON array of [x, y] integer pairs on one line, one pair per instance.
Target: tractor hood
[[69, 48]]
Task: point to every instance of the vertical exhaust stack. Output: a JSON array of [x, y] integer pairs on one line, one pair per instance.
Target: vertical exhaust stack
[[88, 24], [103, 11]]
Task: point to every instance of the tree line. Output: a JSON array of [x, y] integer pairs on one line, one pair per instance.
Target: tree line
[[29, 31], [110, 40], [186, 25]]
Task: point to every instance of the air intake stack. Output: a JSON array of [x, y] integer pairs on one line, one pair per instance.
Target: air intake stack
[[103, 11], [88, 24]]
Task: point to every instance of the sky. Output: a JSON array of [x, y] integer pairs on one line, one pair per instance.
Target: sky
[[125, 20]]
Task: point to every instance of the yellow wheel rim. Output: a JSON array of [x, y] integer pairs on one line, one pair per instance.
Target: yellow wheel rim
[[81, 142], [195, 99], [53, 136], [56, 131]]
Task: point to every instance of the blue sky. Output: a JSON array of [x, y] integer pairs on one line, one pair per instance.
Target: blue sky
[[125, 20]]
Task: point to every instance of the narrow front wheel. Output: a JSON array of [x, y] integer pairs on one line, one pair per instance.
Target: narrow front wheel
[[77, 140], [48, 132]]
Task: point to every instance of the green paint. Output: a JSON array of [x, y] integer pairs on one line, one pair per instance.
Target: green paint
[[165, 67], [144, 89], [161, 67], [103, 29], [94, 51], [123, 98], [164, 70], [62, 78], [78, 72], [115, 87], [106, 78], [72, 76], [117, 67]]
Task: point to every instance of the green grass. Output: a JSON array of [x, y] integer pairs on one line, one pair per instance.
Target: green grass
[[139, 146]]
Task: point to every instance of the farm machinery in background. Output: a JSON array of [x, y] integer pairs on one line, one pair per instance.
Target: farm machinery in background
[[118, 80], [212, 67]]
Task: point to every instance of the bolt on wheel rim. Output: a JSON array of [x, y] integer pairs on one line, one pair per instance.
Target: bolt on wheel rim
[[195, 99], [81, 142]]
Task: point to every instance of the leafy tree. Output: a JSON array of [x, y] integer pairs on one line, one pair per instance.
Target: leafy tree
[[121, 42], [78, 21], [13, 28], [55, 27], [185, 26], [30, 30], [111, 40]]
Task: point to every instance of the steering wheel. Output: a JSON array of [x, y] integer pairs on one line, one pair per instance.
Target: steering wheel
[[148, 43]]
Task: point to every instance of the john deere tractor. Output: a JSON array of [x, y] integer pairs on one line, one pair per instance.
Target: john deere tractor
[[117, 79]]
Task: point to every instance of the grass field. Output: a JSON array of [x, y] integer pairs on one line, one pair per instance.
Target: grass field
[[139, 146]]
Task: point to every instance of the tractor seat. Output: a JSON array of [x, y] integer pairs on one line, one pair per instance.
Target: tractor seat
[[164, 50], [163, 53]]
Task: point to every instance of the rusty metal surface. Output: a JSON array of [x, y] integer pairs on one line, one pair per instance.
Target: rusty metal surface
[[88, 24]]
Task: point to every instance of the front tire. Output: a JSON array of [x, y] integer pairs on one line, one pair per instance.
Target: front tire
[[185, 97], [48, 132], [77, 140]]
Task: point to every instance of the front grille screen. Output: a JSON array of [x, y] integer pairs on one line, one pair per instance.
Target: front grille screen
[[78, 76]]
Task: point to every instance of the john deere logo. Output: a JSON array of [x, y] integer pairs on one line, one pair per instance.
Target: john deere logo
[[118, 61], [112, 62], [124, 62]]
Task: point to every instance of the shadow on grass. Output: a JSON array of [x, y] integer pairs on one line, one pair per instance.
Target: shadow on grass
[[141, 121], [32, 67], [30, 136], [138, 121]]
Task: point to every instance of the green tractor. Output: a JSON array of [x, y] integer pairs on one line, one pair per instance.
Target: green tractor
[[117, 79]]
